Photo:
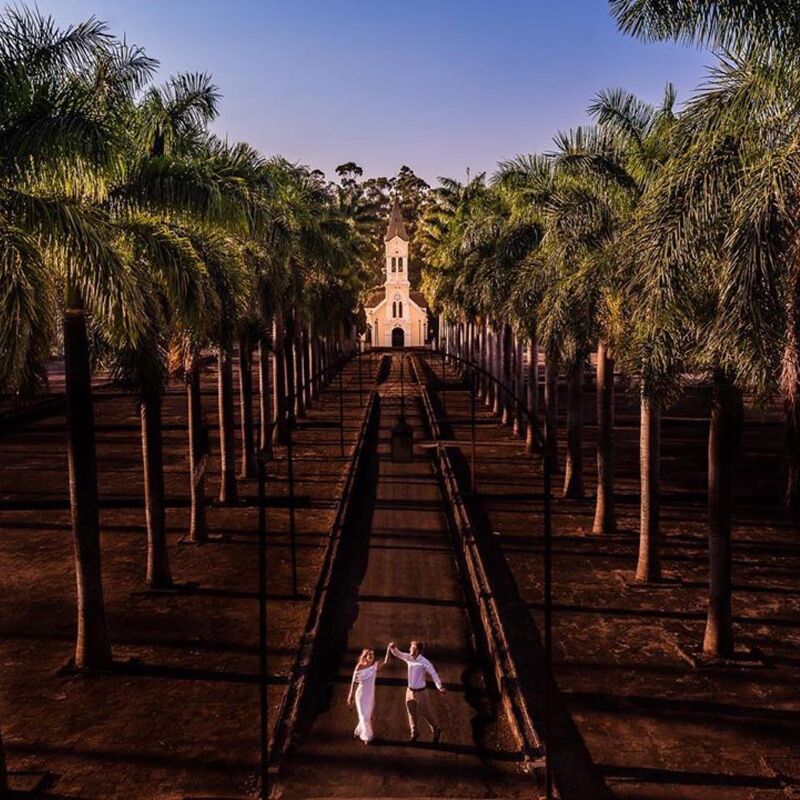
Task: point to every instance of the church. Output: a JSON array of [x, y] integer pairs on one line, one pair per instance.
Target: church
[[397, 315]]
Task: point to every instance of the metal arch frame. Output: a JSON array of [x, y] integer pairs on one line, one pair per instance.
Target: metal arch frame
[[542, 448]]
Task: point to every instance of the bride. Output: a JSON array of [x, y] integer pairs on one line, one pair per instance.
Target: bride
[[363, 685]]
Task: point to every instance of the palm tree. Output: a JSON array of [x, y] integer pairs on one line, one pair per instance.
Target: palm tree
[[633, 144], [187, 179], [175, 287], [641, 134], [731, 25], [229, 278], [66, 95], [721, 271], [585, 215]]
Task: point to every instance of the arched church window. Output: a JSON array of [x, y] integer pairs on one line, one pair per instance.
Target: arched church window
[[400, 264], [394, 264], [400, 304], [394, 309]]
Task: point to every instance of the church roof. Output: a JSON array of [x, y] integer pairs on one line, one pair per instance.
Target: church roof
[[418, 298], [397, 225], [377, 294], [374, 296]]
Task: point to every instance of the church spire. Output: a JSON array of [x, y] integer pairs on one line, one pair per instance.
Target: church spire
[[397, 225]]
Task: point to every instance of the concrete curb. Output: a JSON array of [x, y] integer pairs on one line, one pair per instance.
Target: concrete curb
[[306, 658], [481, 593]]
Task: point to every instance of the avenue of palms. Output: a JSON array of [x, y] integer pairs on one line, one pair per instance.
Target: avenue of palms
[[659, 240]]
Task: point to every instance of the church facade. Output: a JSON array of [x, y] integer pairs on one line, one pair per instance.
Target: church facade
[[397, 315]]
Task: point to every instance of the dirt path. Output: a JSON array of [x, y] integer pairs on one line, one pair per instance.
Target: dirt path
[[410, 590]]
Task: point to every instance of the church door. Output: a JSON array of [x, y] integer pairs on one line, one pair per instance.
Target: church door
[[398, 338]]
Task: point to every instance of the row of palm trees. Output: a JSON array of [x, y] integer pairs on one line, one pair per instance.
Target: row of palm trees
[[665, 242], [133, 238]]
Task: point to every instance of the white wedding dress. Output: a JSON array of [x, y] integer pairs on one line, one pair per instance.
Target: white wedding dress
[[365, 700]]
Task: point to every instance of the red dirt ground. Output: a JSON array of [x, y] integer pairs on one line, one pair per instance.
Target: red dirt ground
[[182, 717], [656, 726]]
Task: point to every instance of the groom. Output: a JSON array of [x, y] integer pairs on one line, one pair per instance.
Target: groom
[[417, 700]]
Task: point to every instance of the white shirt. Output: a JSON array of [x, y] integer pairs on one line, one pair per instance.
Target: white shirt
[[417, 667]]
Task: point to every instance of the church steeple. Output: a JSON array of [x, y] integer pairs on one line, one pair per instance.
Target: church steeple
[[397, 225], [396, 241]]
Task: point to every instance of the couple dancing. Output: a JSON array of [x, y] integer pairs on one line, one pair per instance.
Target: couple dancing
[[417, 701]]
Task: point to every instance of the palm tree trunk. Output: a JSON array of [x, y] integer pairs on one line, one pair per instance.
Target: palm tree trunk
[[316, 365], [300, 368], [323, 362], [722, 446], [228, 491], [790, 389], [506, 375], [279, 393], [497, 409], [158, 572], [490, 367], [481, 357], [551, 413], [532, 397], [198, 456], [92, 648], [288, 346], [791, 410], [307, 366], [573, 474], [264, 400], [3, 771], [648, 569], [519, 389], [604, 515], [246, 407]]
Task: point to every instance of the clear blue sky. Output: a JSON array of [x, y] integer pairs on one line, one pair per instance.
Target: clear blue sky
[[440, 85]]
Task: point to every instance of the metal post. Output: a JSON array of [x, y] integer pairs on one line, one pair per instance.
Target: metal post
[[292, 527], [360, 383], [472, 405], [548, 623], [341, 410], [262, 627], [444, 385], [402, 385]]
